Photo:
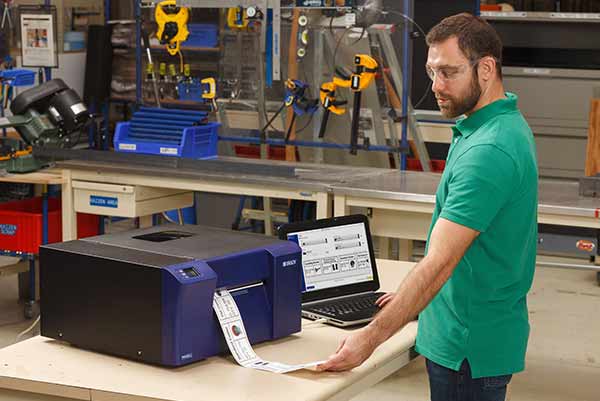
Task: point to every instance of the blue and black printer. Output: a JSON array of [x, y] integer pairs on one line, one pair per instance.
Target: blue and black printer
[[147, 294]]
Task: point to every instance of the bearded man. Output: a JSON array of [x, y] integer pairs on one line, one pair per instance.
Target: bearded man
[[470, 289]]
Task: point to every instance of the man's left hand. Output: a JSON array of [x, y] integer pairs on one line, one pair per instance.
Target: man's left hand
[[352, 352]]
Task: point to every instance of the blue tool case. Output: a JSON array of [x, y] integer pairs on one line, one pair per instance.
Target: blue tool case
[[168, 132]]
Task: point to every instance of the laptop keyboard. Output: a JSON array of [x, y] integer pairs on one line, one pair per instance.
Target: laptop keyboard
[[348, 309]]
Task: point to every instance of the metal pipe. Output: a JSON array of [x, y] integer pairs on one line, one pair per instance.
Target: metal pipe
[[138, 52], [407, 9]]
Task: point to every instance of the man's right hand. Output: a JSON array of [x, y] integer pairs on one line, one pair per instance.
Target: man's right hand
[[385, 299]]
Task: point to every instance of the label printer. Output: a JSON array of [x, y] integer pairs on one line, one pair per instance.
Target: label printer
[[148, 294]]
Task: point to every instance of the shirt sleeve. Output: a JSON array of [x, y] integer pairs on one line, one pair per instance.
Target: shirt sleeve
[[483, 179]]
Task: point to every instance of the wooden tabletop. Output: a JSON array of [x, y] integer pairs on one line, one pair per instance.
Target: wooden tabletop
[[48, 177], [42, 365]]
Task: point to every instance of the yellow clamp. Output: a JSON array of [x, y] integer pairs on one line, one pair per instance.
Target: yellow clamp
[[237, 18], [172, 24], [211, 92], [364, 73], [328, 99]]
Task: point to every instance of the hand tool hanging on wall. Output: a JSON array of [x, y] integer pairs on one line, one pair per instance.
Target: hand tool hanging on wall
[[365, 68], [172, 24], [330, 103], [296, 98]]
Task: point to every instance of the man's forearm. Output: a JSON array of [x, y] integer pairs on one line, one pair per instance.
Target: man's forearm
[[413, 295]]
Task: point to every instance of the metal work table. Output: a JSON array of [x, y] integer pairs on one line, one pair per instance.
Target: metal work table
[[310, 182], [401, 204]]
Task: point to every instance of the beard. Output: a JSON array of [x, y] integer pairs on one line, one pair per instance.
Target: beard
[[457, 106]]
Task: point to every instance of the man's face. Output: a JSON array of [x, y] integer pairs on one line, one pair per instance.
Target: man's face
[[454, 81]]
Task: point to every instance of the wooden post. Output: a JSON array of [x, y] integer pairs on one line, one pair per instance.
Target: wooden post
[[592, 160]]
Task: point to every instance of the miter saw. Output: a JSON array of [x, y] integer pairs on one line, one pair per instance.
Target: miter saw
[[49, 115]]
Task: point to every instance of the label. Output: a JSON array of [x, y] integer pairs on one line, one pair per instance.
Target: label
[[350, 19], [168, 151], [8, 229], [235, 334], [127, 146], [104, 201], [78, 108]]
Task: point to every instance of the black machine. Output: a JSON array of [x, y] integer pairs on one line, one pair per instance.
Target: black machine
[[49, 115]]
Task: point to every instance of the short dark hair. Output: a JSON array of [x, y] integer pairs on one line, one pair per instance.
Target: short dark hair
[[476, 38]]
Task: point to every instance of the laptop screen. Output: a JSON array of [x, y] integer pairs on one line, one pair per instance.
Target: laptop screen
[[334, 256], [337, 256]]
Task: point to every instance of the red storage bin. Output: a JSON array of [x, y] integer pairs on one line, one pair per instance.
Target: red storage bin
[[253, 151], [437, 166], [21, 224]]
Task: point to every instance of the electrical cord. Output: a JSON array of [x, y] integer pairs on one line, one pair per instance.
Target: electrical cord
[[306, 125], [27, 330]]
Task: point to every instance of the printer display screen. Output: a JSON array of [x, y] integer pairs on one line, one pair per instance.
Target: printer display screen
[[190, 272], [334, 256]]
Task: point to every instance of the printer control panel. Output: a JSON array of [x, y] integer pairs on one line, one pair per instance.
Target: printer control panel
[[187, 273], [191, 272]]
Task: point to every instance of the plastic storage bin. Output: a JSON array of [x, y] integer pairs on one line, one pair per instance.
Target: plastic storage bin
[[202, 35], [168, 132], [21, 224]]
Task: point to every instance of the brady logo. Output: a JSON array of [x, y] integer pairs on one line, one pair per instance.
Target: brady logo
[[8, 229], [289, 263], [186, 356]]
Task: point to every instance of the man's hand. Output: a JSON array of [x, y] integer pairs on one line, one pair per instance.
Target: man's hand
[[353, 351], [385, 299]]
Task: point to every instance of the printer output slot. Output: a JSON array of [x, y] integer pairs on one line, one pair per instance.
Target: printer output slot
[[243, 287]]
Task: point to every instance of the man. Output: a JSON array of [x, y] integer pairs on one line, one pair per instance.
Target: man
[[470, 288]]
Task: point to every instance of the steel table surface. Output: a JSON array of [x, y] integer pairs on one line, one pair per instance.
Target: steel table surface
[[311, 182], [401, 203]]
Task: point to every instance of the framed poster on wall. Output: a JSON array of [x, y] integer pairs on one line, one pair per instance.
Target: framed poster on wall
[[39, 42]]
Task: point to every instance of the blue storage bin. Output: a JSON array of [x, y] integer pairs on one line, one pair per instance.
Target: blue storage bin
[[202, 35], [168, 132], [18, 77]]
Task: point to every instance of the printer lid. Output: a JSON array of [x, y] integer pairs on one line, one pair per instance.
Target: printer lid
[[188, 241]]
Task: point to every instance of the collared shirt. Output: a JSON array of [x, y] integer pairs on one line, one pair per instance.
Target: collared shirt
[[490, 185]]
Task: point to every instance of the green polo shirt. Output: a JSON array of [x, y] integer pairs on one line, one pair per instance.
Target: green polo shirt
[[490, 185]]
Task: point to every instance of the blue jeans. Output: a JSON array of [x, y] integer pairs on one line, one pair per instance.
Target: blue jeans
[[449, 385]]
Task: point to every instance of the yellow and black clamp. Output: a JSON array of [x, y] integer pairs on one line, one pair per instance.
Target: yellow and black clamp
[[172, 24], [209, 91], [330, 103], [365, 68], [237, 18]]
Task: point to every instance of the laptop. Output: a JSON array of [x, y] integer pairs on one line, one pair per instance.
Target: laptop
[[340, 281]]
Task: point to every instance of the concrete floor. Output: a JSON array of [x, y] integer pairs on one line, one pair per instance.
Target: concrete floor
[[563, 360]]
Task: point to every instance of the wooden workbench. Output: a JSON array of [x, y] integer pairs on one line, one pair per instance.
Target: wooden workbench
[[42, 366]]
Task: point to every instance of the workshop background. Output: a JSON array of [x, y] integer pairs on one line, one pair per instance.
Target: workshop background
[[268, 84]]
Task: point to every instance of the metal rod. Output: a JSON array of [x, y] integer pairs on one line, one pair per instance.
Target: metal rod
[[327, 145], [405, 79], [289, 131], [324, 123], [355, 119], [138, 52]]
